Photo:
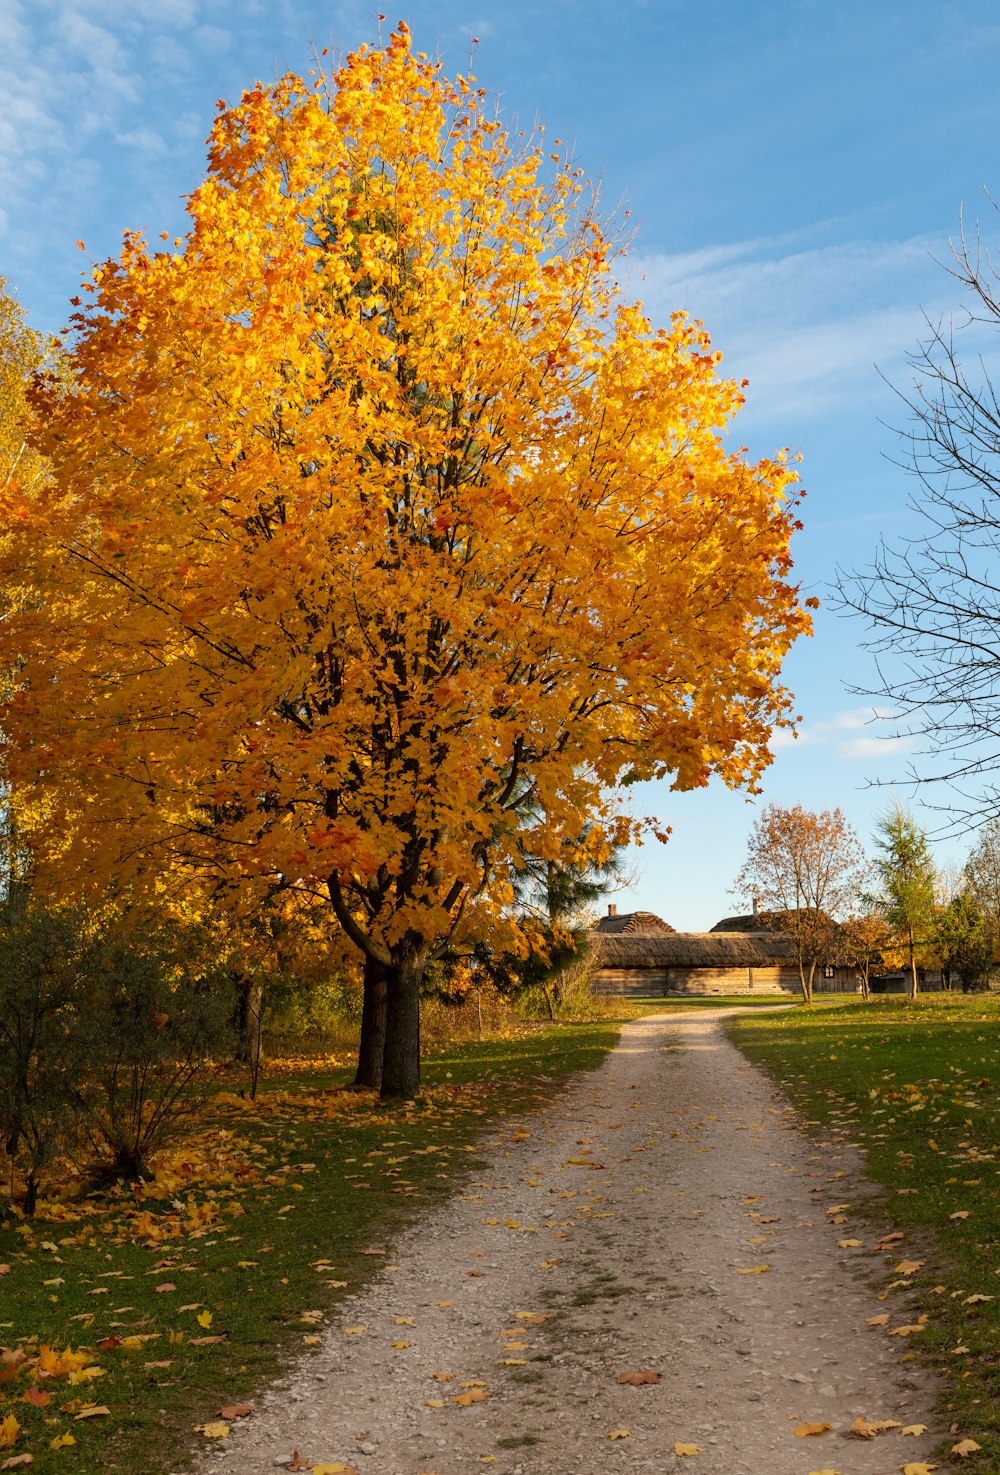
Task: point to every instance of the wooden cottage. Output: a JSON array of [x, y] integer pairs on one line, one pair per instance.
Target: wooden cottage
[[638, 953]]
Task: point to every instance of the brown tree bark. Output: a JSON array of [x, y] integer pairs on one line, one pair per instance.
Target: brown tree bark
[[371, 1050], [401, 1058], [249, 1003]]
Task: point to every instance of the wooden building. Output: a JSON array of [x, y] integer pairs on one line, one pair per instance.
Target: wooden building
[[638, 953]]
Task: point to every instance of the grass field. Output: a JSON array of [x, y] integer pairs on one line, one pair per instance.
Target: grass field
[[917, 1088], [132, 1317]]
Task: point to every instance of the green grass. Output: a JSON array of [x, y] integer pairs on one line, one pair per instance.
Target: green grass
[[258, 1223], [918, 1088]]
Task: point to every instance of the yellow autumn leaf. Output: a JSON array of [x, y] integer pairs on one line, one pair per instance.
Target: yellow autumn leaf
[[204, 1319], [917, 1467], [216, 1429], [913, 1429], [61, 1441], [93, 1411], [849, 1244], [863, 1428], [403, 1321], [753, 1270], [807, 1429], [9, 1430], [433, 1403], [909, 1267], [687, 1449], [333, 1469], [965, 1447], [620, 1434]]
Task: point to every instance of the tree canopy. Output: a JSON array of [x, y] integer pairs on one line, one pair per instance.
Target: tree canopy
[[378, 521]]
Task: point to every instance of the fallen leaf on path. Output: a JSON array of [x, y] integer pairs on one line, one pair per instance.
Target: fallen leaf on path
[[235, 1411], [334, 1469], [881, 1320], [887, 1240], [753, 1270], [864, 1428], [217, 1429], [443, 1377], [433, 1403], [298, 1463], [620, 1434], [914, 1429], [909, 1267], [354, 1331], [530, 1318], [849, 1244], [965, 1447], [687, 1449], [805, 1430], [638, 1378], [919, 1467]]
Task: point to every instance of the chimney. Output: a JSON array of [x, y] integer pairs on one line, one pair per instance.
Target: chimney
[[612, 909]]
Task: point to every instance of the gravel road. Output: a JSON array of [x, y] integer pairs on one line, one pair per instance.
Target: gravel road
[[625, 1227]]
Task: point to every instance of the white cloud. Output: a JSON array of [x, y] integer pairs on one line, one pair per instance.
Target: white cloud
[[806, 325], [144, 139], [874, 747]]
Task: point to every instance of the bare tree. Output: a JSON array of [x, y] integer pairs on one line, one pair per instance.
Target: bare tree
[[933, 600]]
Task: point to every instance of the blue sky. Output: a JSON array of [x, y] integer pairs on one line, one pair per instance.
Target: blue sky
[[794, 171]]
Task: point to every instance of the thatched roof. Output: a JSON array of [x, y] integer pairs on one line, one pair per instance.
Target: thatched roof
[[634, 924], [691, 950], [754, 922]]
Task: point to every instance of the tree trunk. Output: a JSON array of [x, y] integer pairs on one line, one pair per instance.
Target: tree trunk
[[805, 982], [249, 1003], [371, 1051], [864, 985], [401, 1058], [913, 968]]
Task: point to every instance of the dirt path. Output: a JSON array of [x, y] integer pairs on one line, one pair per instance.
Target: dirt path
[[622, 1215]]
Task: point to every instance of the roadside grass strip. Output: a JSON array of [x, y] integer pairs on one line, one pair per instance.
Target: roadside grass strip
[[132, 1318], [915, 1087]]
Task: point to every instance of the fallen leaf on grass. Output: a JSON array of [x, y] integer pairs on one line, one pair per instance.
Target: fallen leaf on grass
[[206, 1341], [235, 1411], [61, 1441], [36, 1396], [909, 1267], [167, 1285], [965, 1447], [9, 1430], [687, 1449], [906, 1331], [216, 1429], [93, 1411], [16, 1460], [975, 1300], [805, 1430], [959, 1214], [864, 1428], [638, 1378]]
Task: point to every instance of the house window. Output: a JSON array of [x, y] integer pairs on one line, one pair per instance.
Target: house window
[[828, 970]]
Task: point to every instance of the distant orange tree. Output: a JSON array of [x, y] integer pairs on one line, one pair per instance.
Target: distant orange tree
[[380, 522], [805, 869]]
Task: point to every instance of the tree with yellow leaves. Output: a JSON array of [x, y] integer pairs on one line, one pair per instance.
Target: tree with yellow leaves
[[379, 521]]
